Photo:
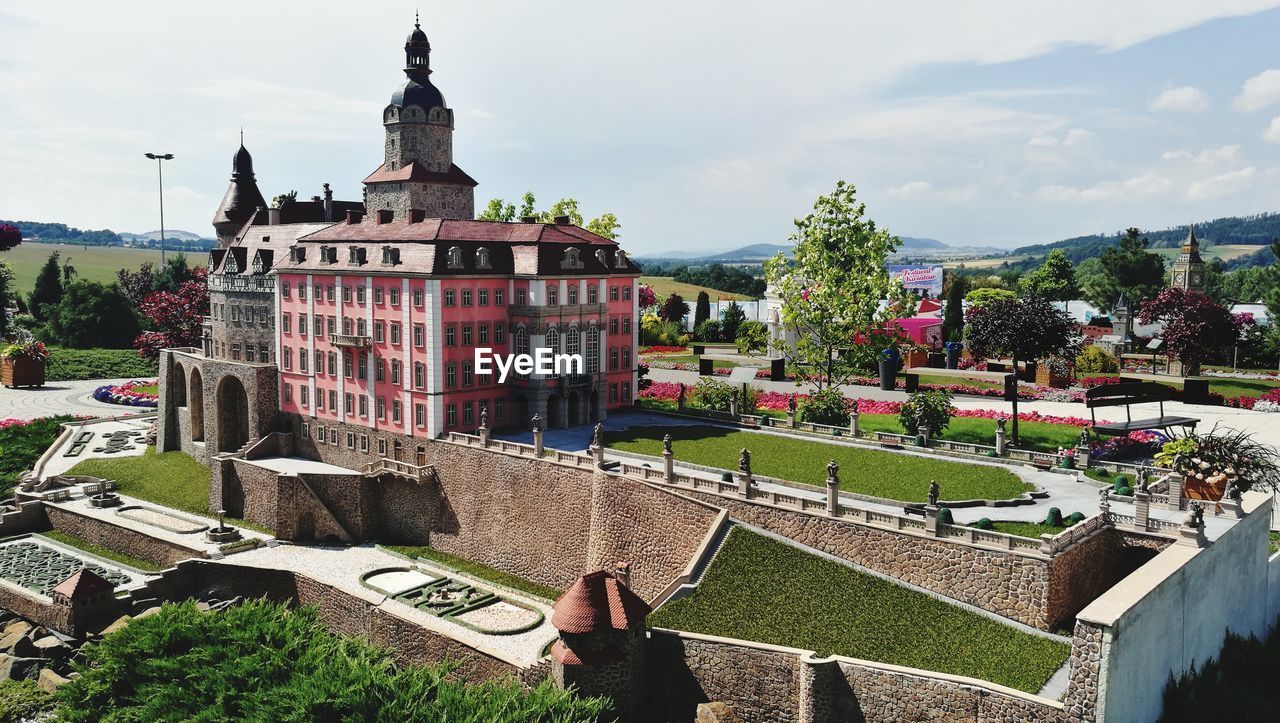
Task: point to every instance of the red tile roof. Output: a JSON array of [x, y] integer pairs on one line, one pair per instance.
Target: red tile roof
[[83, 582], [597, 602], [414, 171], [436, 229]]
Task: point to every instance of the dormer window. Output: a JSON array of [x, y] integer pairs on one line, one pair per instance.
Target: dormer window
[[390, 256], [355, 255], [482, 258], [328, 254], [571, 259], [620, 259], [231, 267], [297, 254], [455, 258], [600, 256], [259, 266]]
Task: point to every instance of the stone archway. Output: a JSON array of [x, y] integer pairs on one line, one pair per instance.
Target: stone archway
[[231, 408], [553, 411], [575, 409], [178, 386], [195, 402]]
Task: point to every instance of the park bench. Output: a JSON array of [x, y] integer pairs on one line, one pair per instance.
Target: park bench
[[1008, 379], [1129, 393]]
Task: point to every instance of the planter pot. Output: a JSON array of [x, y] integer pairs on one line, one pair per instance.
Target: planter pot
[[1045, 377], [953, 358], [888, 374], [22, 372]]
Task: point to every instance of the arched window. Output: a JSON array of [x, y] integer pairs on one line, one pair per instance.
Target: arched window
[[593, 349], [553, 340], [522, 340], [482, 258], [572, 341], [571, 259], [455, 258]]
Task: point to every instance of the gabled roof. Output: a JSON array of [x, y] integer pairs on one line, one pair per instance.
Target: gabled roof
[[83, 582], [597, 602]]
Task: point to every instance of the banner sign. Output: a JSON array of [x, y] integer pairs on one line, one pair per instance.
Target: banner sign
[[919, 278]]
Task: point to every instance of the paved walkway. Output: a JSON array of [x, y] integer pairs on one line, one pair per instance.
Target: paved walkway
[[57, 398]]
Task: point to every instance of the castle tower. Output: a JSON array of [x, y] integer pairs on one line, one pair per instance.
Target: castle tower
[[241, 200], [602, 638], [417, 171], [1188, 270]]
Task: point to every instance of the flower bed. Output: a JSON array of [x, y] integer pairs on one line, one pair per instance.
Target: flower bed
[[660, 349], [126, 394]]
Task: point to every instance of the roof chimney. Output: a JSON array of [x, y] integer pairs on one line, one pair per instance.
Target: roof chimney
[[528, 219], [273, 216], [384, 216], [328, 203], [563, 221], [353, 216], [417, 215]]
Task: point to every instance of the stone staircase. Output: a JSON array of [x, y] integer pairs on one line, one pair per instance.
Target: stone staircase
[[416, 473]]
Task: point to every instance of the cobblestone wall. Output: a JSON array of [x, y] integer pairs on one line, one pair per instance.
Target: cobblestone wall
[[1082, 572], [120, 539], [759, 685]]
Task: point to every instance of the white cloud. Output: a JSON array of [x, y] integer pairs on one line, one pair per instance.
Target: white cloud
[[921, 190], [1042, 140], [1225, 184], [1182, 98], [1272, 133], [1077, 136], [1259, 91], [1210, 156]]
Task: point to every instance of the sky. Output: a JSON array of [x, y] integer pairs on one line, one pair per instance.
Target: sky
[[702, 126]]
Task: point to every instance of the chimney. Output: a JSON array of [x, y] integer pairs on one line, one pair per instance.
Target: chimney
[[417, 215], [328, 203], [353, 216], [273, 217], [528, 219], [622, 572], [563, 221], [384, 216]]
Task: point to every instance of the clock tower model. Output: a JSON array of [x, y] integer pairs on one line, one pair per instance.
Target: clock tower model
[[1188, 269]]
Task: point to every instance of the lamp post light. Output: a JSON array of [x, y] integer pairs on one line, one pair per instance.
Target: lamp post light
[[159, 158]]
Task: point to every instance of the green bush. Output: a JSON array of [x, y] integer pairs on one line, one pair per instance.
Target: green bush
[[944, 516], [753, 337], [715, 394], [22, 444], [983, 523], [656, 332], [709, 330], [1073, 518], [825, 407], [930, 410], [22, 700], [726, 477], [261, 661], [73, 364], [1053, 518], [1095, 360], [1125, 491]]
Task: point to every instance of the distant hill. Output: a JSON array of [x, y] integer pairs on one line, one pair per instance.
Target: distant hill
[[763, 252], [60, 233], [1255, 230], [912, 242], [169, 234]]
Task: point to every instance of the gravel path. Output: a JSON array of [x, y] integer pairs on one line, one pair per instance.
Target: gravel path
[[60, 398]]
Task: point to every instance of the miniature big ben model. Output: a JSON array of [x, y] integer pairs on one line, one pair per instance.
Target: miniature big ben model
[[1188, 269]]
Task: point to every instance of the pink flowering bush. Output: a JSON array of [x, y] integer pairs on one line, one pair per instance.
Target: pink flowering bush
[[660, 349], [126, 394], [1091, 382]]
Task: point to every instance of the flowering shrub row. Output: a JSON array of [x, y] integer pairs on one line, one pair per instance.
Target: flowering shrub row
[[126, 395], [659, 349]]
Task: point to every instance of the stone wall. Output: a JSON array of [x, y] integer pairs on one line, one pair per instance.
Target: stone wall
[[223, 422], [760, 683], [1090, 567], [121, 539]]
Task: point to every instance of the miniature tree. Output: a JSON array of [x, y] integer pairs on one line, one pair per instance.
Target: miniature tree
[[1195, 326]]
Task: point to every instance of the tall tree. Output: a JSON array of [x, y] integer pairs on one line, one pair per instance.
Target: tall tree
[[832, 287], [674, 309], [91, 315], [1022, 329], [498, 210], [174, 317], [1097, 286], [1195, 326], [6, 283], [1055, 280], [701, 309], [1134, 270], [605, 225], [10, 236], [48, 289], [731, 319], [953, 316]]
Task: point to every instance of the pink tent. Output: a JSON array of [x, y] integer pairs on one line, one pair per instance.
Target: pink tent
[[925, 330]]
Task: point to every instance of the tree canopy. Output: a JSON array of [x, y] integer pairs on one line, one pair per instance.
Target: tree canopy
[[1055, 279], [606, 224], [1195, 326], [1132, 269], [90, 315], [48, 289]]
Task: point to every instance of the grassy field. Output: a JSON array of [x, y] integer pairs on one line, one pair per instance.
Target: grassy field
[[872, 472], [475, 569], [22, 444], [82, 544], [974, 430], [93, 263], [1228, 387], [663, 286], [1226, 252], [1026, 529], [763, 590]]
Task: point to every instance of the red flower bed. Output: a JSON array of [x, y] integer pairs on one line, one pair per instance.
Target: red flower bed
[[658, 349], [1091, 382]]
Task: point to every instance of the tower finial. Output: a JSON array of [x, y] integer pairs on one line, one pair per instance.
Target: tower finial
[[242, 135], [416, 24]]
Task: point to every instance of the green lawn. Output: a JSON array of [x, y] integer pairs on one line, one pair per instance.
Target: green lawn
[[890, 475], [664, 286], [477, 570], [763, 590], [1026, 529], [151, 389], [1229, 387], [82, 544], [976, 430], [944, 380], [92, 263], [22, 444]]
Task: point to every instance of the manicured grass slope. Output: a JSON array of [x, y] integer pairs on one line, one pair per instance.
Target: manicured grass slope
[[976, 430], [22, 445], [92, 263], [1026, 529], [763, 590], [475, 569], [82, 544], [864, 471]]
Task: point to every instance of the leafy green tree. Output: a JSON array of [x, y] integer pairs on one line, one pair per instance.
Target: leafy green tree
[[708, 330], [6, 281], [1097, 286], [753, 337], [701, 309], [731, 318], [1023, 329], [605, 225], [91, 315], [528, 205], [48, 289], [498, 210], [978, 297], [283, 198], [832, 287], [1055, 280], [1132, 269], [563, 207], [953, 315]]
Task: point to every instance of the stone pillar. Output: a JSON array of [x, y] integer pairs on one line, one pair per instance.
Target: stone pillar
[[1192, 531], [833, 488], [791, 418], [1141, 509], [825, 696], [924, 433], [853, 420], [668, 460], [1175, 481], [733, 406], [537, 435], [744, 474], [1000, 443], [1082, 457], [931, 519]]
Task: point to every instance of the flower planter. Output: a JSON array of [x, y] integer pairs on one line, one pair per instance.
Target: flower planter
[[1045, 377], [21, 372]]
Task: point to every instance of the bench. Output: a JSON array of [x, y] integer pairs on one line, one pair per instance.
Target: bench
[[1008, 379], [1126, 394]]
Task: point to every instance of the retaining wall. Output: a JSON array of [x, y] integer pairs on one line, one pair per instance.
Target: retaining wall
[[121, 539]]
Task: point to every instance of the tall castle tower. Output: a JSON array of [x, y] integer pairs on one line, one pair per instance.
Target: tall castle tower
[[1188, 269], [418, 170], [241, 200]]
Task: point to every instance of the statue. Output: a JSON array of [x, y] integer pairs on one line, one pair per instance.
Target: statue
[[597, 437], [1084, 437], [1195, 516], [833, 469], [1144, 479], [680, 398], [933, 493], [1104, 495], [744, 462], [537, 422], [666, 444], [1232, 492], [791, 404], [1000, 423], [484, 417]]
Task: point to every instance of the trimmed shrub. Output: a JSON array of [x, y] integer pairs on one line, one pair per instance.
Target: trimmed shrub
[[708, 330], [1053, 518], [1125, 491], [929, 410], [726, 477], [1095, 360], [983, 524], [1073, 518], [825, 407], [715, 394], [944, 516]]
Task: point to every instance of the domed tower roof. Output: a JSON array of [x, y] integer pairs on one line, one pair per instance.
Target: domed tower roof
[[417, 90], [242, 197]]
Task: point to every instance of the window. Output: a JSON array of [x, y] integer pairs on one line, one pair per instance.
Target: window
[[451, 415], [499, 407], [395, 297], [302, 360], [382, 447], [395, 410], [553, 340], [571, 260], [360, 294], [302, 292], [626, 357], [626, 293], [417, 298], [364, 439], [482, 297], [328, 292], [522, 340], [346, 325], [613, 358], [286, 322], [613, 293], [319, 292], [379, 369], [320, 433], [521, 297], [395, 333], [379, 331], [451, 375], [626, 391], [482, 258], [347, 403], [381, 407], [333, 407], [288, 392], [468, 413], [346, 294], [613, 393], [319, 362], [333, 364], [362, 328], [364, 406], [319, 326], [483, 335], [420, 415], [331, 325], [613, 325], [418, 334], [498, 295], [351, 440], [553, 294], [572, 341], [286, 357], [573, 292], [466, 297], [450, 296], [395, 372], [419, 375], [455, 257], [593, 349], [626, 323], [450, 335], [593, 294], [264, 352], [302, 322], [362, 367], [377, 294], [249, 352], [499, 333], [346, 364], [467, 377], [466, 335], [302, 399], [284, 289]]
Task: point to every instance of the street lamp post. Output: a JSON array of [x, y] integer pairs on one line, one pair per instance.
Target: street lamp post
[[159, 158]]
